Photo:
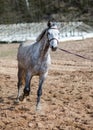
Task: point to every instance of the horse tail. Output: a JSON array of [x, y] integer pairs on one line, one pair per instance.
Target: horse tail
[[20, 45], [18, 53]]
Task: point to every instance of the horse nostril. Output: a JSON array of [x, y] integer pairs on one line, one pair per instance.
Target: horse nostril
[[52, 47]]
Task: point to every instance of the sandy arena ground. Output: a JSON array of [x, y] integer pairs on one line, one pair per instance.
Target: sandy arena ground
[[67, 100]]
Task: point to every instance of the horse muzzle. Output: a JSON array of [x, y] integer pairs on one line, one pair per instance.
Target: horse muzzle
[[53, 48], [53, 44]]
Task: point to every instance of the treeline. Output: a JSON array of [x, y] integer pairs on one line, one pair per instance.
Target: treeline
[[16, 11]]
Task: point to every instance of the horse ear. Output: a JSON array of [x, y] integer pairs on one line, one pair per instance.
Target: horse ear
[[49, 24]]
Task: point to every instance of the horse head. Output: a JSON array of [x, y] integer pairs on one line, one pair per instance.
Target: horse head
[[53, 35]]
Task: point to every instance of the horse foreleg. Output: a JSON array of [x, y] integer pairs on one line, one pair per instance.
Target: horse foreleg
[[27, 86], [39, 92]]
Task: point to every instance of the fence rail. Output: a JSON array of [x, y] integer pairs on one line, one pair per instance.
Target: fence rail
[[29, 31]]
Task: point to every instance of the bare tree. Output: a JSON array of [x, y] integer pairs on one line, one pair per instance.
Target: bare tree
[[27, 4]]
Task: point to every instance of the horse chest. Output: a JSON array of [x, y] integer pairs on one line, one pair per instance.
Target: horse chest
[[41, 64], [40, 67]]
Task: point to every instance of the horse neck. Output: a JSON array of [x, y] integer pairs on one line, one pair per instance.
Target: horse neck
[[44, 47]]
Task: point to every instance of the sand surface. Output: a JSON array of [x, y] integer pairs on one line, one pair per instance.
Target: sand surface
[[67, 100]]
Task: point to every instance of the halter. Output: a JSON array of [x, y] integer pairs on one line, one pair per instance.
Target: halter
[[52, 38], [47, 35]]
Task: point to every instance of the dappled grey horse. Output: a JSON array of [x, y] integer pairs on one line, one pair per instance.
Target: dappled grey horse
[[34, 59]]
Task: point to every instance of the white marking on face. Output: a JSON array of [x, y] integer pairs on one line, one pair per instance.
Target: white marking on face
[[53, 43], [53, 36]]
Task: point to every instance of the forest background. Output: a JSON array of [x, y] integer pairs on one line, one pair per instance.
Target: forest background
[[26, 11]]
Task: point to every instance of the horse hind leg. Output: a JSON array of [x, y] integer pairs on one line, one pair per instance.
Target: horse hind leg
[[26, 90], [21, 82]]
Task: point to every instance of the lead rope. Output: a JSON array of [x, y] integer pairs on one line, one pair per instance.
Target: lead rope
[[75, 54]]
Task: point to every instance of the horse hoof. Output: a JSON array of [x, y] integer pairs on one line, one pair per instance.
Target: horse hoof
[[38, 107], [16, 101], [21, 98], [26, 92]]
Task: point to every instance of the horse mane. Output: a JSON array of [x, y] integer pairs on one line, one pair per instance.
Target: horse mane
[[41, 35]]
